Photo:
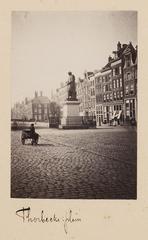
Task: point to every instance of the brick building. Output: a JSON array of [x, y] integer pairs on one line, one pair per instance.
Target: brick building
[[111, 92], [40, 107], [130, 82], [99, 97], [116, 86], [86, 94]]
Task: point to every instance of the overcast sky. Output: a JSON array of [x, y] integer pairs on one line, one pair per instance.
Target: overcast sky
[[46, 45]]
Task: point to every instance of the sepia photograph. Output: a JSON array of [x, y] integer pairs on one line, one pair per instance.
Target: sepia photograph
[[74, 106]]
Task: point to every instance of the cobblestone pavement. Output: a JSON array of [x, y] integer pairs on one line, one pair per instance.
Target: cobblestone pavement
[[75, 164]]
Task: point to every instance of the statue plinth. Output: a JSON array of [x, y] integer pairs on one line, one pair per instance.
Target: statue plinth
[[71, 118]]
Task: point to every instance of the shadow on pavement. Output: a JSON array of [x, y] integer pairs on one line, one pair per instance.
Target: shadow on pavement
[[40, 145]]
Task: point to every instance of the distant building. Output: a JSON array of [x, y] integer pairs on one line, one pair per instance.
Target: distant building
[[99, 97], [92, 110], [36, 109], [86, 94], [22, 111], [80, 88], [40, 107], [107, 94]]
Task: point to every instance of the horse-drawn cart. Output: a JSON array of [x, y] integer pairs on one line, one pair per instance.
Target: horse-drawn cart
[[26, 134]]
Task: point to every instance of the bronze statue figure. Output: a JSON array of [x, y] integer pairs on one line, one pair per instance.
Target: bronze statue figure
[[71, 87]]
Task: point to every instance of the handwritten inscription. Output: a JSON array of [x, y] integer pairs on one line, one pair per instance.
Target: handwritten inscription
[[26, 216]]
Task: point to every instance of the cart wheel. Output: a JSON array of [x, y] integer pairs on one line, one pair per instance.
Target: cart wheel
[[23, 141]]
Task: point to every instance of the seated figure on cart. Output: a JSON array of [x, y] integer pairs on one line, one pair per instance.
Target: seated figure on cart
[[34, 135], [30, 134]]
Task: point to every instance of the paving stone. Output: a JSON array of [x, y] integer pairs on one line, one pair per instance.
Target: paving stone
[[91, 164]]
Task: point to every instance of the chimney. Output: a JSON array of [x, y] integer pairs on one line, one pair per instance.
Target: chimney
[[124, 45], [115, 54], [118, 46], [109, 58]]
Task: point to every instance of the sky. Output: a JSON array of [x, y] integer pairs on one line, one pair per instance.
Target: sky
[[47, 45]]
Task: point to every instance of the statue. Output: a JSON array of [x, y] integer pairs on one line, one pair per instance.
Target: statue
[[71, 87]]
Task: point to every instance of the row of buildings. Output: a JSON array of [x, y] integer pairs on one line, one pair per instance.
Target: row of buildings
[[110, 92], [104, 94], [37, 109]]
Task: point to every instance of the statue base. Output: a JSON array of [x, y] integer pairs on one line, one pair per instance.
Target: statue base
[[71, 118]]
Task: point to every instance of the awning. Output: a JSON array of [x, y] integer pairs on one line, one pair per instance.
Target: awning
[[114, 114], [119, 114]]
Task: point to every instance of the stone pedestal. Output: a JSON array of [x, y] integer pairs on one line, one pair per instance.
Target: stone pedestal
[[71, 118]]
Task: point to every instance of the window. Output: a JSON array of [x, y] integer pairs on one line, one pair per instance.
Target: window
[[110, 86], [39, 110], [117, 83], [132, 89], [115, 95], [127, 104], [117, 71], [121, 94], [104, 97], [118, 95], [120, 82], [120, 69], [111, 96], [128, 76], [107, 96], [103, 88], [126, 90], [114, 84], [128, 61], [35, 109], [45, 110], [113, 72]]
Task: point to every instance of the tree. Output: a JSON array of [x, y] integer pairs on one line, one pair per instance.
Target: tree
[[55, 110]]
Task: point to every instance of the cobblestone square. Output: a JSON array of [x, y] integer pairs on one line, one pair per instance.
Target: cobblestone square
[[75, 164]]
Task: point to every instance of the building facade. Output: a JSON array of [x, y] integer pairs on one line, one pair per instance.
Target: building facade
[[86, 94], [40, 107], [22, 111], [110, 93], [99, 98], [130, 83]]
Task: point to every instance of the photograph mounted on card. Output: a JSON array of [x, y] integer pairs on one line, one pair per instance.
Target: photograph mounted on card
[[74, 105]]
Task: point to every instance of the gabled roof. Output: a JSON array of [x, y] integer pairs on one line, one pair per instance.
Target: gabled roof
[[132, 50], [122, 51]]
